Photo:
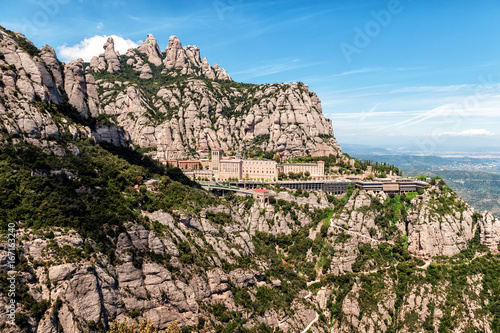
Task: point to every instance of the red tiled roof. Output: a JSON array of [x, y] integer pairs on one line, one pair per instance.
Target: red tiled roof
[[261, 190]]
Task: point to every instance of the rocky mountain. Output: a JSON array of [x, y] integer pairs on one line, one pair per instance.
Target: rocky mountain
[[96, 243], [173, 100], [172, 253]]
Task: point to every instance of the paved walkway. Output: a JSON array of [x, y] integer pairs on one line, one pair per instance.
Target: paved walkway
[[312, 282]]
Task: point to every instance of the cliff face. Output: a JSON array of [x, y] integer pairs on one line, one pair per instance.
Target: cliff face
[[223, 266], [174, 100], [35, 86]]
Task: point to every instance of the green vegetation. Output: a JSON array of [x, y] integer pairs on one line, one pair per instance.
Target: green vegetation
[[103, 188], [23, 43], [479, 189], [81, 195], [220, 218]]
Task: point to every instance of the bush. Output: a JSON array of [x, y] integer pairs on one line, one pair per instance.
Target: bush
[[145, 326], [219, 218]]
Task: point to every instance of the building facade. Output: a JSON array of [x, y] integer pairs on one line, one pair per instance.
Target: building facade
[[392, 186], [229, 169], [261, 196], [259, 169], [243, 168], [314, 169]]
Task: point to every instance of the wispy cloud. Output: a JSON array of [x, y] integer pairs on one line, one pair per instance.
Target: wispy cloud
[[469, 132], [449, 88], [360, 71], [439, 111], [473, 132], [280, 66], [372, 113]]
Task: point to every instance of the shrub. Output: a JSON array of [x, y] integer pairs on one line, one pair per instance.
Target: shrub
[[145, 326]]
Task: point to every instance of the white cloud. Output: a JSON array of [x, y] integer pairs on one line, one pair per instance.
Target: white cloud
[[92, 46], [360, 71], [278, 66], [469, 132], [450, 88]]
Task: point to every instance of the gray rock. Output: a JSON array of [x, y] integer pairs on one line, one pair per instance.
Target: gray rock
[[59, 273], [152, 50], [490, 231], [146, 72], [217, 281], [241, 278], [111, 57]]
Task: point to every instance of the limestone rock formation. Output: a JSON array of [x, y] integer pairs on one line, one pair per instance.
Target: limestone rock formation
[[282, 118], [152, 50], [75, 86], [213, 263], [111, 56], [489, 227], [434, 232], [109, 60], [28, 75], [188, 61], [279, 118]]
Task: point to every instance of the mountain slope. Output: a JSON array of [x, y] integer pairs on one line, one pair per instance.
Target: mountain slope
[[96, 249]]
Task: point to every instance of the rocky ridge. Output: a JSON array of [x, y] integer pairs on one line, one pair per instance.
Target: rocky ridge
[[173, 101]]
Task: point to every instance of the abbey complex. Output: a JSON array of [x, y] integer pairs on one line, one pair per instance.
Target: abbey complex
[[235, 168]]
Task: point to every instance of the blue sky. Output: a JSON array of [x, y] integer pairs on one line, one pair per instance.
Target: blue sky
[[420, 74]]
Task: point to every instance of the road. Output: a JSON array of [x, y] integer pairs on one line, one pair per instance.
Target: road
[[358, 234], [310, 324]]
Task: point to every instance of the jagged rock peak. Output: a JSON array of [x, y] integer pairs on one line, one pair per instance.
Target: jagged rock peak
[[108, 60], [49, 56], [174, 42], [151, 49], [176, 58], [109, 45], [188, 60]]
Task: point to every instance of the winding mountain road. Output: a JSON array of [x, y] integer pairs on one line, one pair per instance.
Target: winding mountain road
[[310, 324], [358, 234]]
